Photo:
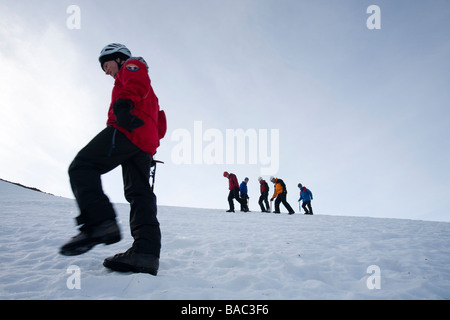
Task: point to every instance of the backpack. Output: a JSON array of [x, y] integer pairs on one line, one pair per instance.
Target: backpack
[[162, 124], [266, 185], [283, 185]]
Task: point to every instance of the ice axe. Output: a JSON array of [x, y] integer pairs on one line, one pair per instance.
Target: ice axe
[[153, 172]]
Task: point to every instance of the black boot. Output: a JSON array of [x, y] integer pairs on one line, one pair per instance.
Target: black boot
[[131, 261], [106, 232]]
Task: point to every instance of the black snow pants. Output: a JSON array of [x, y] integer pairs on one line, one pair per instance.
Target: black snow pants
[[264, 198], [234, 194], [281, 198], [307, 205], [106, 151]]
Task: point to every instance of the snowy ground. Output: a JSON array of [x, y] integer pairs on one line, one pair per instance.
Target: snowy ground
[[210, 254]]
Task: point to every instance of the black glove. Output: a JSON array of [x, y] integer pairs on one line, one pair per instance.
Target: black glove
[[124, 118]]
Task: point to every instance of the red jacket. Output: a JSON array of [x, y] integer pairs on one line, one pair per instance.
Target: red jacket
[[132, 82], [264, 187], [232, 181]]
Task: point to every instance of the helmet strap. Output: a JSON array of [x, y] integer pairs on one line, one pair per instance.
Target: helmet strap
[[119, 64]]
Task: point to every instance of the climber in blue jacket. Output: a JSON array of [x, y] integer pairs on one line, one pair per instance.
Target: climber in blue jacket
[[306, 196], [244, 195]]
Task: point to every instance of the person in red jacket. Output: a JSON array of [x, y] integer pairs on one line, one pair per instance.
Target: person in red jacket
[[134, 127], [233, 186], [264, 188]]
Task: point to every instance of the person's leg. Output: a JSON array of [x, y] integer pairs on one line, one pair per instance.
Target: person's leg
[[308, 203], [97, 217], [304, 206], [85, 179], [260, 202], [244, 203], [230, 200], [144, 224], [277, 204], [267, 202], [286, 204]]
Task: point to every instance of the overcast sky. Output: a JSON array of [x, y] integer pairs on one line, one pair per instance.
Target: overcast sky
[[359, 116]]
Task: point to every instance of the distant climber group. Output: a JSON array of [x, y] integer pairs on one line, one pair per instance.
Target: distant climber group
[[239, 192]]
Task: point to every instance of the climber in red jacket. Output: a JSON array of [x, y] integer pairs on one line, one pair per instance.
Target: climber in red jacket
[[233, 186], [134, 127]]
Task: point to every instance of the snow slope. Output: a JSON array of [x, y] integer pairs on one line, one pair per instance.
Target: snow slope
[[210, 254]]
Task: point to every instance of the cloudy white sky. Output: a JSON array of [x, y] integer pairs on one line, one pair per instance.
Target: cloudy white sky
[[362, 115]]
